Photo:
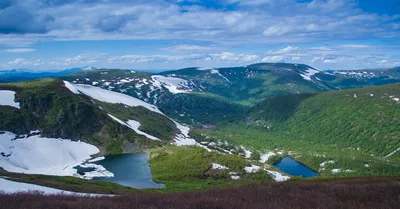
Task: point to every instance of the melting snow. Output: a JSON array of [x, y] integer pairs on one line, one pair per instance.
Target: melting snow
[[218, 166], [110, 96], [247, 153], [174, 85], [326, 162], [7, 99], [15, 187], [235, 177], [96, 159], [278, 176], [264, 157], [71, 87], [215, 71], [37, 155], [252, 169], [134, 125], [337, 170], [308, 73], [99, 171]]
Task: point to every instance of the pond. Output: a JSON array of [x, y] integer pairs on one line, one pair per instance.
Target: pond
[[294, 168], [129, 170]]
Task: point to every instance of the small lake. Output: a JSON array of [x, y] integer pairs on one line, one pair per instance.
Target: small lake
[[294, 168], [129, 170]]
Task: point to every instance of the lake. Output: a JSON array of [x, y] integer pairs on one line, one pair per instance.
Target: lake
[[129, 170], [294, 168]]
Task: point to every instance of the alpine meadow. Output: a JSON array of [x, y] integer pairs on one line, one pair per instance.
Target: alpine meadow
[[199, 104]]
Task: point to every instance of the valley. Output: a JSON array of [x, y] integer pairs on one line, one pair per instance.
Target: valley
[[202, 128]]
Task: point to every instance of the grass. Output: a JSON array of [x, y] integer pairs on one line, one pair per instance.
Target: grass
[[70, 183], [189, 168], [338, 193]]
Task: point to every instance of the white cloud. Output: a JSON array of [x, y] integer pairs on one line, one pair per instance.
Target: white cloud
[[192, 48], [19, 50], [285, 50], [273, 59], [21, 62]]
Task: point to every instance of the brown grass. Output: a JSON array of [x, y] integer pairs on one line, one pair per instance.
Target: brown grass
[[343, 193]]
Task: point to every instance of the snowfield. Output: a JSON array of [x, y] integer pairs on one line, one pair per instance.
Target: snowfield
[[7, 99], [174, 85], [40, 155], [109, 96], [15, 187]]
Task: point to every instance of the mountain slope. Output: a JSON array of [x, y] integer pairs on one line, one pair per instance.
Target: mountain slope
[[200, 95], [47, 105]]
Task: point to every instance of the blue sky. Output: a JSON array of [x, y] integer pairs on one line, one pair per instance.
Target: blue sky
[[169, 34]]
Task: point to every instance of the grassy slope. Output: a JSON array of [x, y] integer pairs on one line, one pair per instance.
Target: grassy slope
[[332, 124], [346, 193], [189, 168]]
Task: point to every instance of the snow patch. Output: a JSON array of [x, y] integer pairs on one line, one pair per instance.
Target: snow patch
[[216, 71], [247, 153], [111, 97], [174, 85], [40, 155], [7, 99], [134, 125], [218, 166], [278, 176], [252, 169], [308, 73], [337, 170], [326, 162], [99, 171], [71, 87], [264, 157], [10, 187], [235, 177], [96, 159]]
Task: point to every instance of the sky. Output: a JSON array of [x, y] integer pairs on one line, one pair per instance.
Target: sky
[[171, 34]]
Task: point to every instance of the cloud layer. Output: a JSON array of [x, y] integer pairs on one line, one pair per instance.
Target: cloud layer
[[222, 30]]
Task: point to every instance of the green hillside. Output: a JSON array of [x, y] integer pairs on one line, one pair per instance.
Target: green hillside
[[359, 123]]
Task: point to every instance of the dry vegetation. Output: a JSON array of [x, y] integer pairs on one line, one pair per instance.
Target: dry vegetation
[[344, 193]]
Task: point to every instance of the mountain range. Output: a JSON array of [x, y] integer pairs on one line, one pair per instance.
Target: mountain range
[[339, 123]]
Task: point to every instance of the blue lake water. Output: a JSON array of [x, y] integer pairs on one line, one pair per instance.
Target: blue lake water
[[129, 170], [294, 168]]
